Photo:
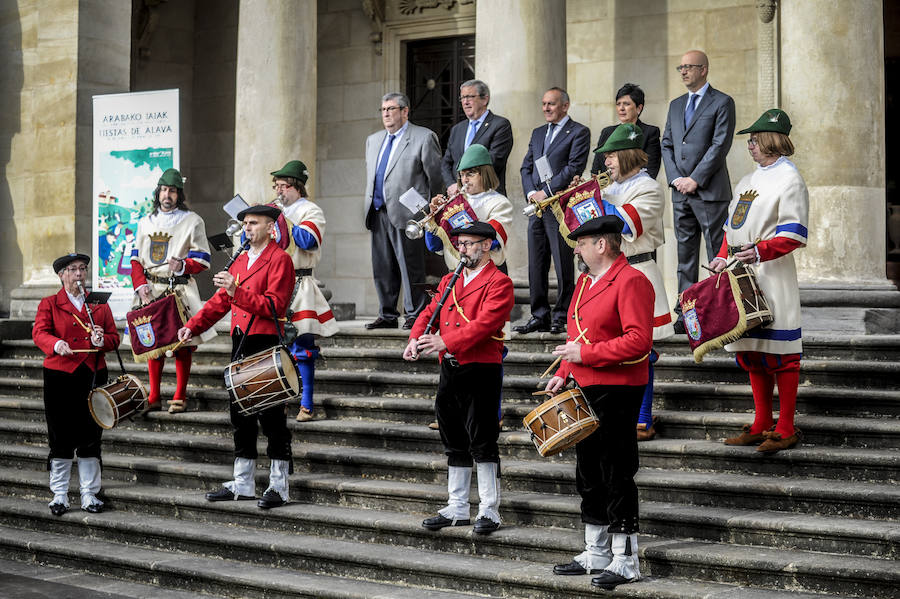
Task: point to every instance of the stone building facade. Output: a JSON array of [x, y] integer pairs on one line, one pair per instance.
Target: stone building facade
[[265, 81]]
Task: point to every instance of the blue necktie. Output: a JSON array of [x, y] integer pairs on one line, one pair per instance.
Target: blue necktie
[[378, 191], [549, 137], [689, 112], [473, 127]]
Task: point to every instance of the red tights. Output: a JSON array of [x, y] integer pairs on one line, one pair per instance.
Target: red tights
[[765, 371], [182, 372]]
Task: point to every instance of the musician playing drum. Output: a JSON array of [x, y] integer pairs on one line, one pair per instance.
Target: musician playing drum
[[171, 244], [74, 350], [263, 272], [766, 223], [470, 345], [612, 309]]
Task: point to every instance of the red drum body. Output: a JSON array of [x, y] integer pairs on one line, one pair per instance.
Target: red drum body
[[263, 380], [119, 399], [560, 422]]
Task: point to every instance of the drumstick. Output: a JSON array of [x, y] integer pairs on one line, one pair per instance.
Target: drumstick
[[171, 351], [559, 359], [84, 351]]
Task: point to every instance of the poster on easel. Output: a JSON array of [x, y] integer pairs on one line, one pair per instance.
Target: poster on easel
[[135, 140]]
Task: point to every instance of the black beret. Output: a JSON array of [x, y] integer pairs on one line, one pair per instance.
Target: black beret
[[598, 226], [476, 229], [263, 209], [63, 261]]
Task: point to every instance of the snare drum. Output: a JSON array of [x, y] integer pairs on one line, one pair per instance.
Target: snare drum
[[263, 380], [561, 422], [119, 399]]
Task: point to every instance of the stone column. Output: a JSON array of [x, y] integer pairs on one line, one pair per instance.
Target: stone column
[[833, 90], [519, 64], [275, 104]]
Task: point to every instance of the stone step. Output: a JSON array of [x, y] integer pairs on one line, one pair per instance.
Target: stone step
[[527, 505], [538, 542], [164, 567], [300, 551]]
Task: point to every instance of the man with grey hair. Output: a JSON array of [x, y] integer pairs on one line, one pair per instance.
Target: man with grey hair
[[402, 156], [480, 127]]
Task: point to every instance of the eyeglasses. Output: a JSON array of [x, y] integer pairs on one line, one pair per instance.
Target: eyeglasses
[[465, 245], [389, 109], [752, 142], [74, 269], [278, 186], [468, 97], [688, 67]]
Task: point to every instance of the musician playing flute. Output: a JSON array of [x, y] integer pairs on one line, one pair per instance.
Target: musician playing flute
[[612, 308], [468, 338], [263, 273], [74, 361], [171, 247]]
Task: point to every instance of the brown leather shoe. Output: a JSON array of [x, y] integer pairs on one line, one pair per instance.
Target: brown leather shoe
[[645, 433], [304, 415], [774, 443], [434, 426], [176, 406], [746, 438]]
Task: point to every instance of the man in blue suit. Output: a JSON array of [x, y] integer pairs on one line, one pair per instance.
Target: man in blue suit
[[698, 135], [566, 145]]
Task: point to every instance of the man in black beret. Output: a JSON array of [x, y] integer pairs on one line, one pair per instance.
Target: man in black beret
[[609, 337], [74, 361], [469, 342]]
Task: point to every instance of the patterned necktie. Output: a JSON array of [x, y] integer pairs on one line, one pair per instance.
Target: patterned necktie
[[689, 112], [473, 127], [549, 137], [378, 191]]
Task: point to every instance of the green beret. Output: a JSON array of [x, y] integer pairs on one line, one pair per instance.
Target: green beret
[[476, 229], [476, 155], [262, 209], [598, 226], [774, 120], [626, 136], [295, 169], [63, 261], [171, 178]]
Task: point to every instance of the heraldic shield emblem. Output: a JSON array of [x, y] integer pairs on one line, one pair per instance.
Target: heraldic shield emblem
[[144, 332], [743, 207], [692, 324], [159, 247], [586, 210]]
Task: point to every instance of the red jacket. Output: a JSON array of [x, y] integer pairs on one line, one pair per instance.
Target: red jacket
[[617, 313], [473, 335], [272, 275], [56, 319]]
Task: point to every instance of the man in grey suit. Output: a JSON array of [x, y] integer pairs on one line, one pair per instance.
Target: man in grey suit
[[480, 127], [402, 156], [698, 135]]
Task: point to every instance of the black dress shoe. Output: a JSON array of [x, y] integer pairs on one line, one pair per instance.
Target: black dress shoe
[[409, 322], [93, 508], [58, 509], [382, 323], [609, 580], [573, 568], [270, 499], [485, 526], [679, 327], [533, 324], [438, 522], [224, 494], [558, 328]]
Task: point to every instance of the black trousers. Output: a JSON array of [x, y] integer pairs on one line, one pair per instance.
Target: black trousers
[[398, 263], [70, 427], [545, 241], [691, 217], [272, 419], [466, 405], [607, 460]]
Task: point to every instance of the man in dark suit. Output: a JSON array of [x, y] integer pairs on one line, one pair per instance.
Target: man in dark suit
[[698, 135], [480, 127], [566, 144], [629, 105], [402, 156]]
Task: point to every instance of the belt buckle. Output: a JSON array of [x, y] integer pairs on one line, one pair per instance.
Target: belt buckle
[[452, 362]]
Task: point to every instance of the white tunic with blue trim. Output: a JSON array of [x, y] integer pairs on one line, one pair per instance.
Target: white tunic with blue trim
[[770, 202]]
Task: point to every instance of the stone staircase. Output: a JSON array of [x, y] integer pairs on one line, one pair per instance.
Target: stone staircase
[[716, 521]]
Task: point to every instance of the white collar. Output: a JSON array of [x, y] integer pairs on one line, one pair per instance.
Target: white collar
[[77, 300], [469, 276]]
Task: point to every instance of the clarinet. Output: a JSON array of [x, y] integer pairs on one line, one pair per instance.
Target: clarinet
[[241, 249], [447, 290]]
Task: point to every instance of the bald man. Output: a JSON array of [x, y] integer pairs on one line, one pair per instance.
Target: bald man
[[698, 135]]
